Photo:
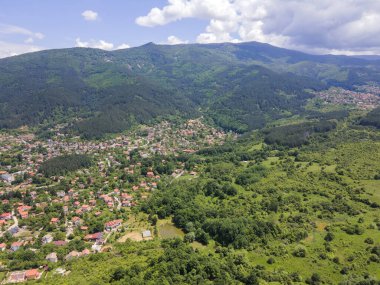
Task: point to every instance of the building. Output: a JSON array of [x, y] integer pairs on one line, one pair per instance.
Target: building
[[32, 274], [59, 243], [54, 221], [94, 237], [47, 239], [8, 178], [16, 277], [16, 245], [72, 255], [52, 257], [3, 246], [109, 226], [6, 216], [146, 234]]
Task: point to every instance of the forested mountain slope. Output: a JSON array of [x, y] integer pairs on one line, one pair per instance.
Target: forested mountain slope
[[241, 86]]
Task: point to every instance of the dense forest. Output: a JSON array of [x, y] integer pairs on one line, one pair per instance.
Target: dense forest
[[61, 165], [297, 134], [372, 118]]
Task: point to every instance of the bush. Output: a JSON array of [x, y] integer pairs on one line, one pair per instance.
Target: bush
[[299, 251]]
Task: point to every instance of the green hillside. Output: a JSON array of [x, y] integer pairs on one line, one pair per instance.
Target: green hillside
[[240, 86]]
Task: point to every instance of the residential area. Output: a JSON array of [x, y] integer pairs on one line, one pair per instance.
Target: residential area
[[48, 221]]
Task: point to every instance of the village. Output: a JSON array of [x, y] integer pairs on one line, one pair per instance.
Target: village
[[61, 218], [366, 97]]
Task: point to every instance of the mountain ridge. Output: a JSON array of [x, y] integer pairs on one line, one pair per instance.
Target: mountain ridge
[[141, 83]]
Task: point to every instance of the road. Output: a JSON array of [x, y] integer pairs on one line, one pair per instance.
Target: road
[[118, 203], [177, 176], [69, 229], [15, 224]]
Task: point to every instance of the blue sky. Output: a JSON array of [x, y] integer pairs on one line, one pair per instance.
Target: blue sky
[[61, 23], [315, 26]]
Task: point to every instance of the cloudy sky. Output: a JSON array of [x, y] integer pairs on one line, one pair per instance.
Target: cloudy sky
[[314, 26]]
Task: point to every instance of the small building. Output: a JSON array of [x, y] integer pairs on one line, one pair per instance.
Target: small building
[[59, 243], [6, 216], [14, 230], [16, 277], [8, 178], [52, 257], [85, 252], [47, 239], [109, 226], [146, 234], [72, 255], [54, 221], [94, 237], [32, 274], [16, 245], [3, 246]]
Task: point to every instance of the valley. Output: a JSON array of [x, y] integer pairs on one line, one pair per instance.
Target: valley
[[189, 164]]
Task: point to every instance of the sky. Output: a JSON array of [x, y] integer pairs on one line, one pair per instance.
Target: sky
[[315, 26]]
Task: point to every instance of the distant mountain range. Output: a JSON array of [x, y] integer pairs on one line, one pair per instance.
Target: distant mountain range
[[240, 86]]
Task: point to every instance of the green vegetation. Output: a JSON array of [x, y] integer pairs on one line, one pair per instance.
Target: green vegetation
[[372, 118], [61, 165], [295, 199], [240, 86], [297, 134]]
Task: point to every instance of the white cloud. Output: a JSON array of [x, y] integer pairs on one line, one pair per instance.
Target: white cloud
[[29, 40], [173, 40], [12, 49], [90, 15], [123, 46], [350, 26], [8, 46], [101, 44], [16, 30]]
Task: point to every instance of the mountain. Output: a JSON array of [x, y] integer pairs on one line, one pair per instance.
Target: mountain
[[240, 86]]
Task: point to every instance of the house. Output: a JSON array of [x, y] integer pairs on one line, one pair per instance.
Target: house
[[54, 221], [47, 239], [6, 216], [14, 230], [52, 257], [112, 224], [93, 237], [16, 277], [85, 208], [146, 234], [72, 255], [8, 178], [76, 221], [32, 274], [59, 243], [85, 252], [16, 245], [3, 246], [24, 215]]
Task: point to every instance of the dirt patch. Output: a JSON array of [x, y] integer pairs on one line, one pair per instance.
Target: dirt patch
[[309, 239], [321, 226], [135, 236]]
